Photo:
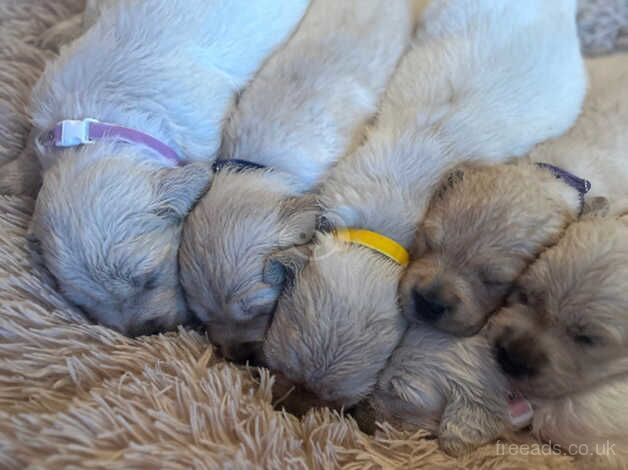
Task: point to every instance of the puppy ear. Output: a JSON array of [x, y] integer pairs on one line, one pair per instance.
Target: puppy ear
[[619, 209], [595, 207], [324, 224], [419, 247], [298, 216], [450, 180], [281, 267], [179, 188]]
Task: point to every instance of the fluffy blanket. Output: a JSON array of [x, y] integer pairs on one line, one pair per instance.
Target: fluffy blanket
[[76, 395]]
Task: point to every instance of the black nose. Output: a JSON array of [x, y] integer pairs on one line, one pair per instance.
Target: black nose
[[428, 308], [514, 360], [242, 353]]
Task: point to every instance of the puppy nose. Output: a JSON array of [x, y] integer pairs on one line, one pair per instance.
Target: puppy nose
[[427, 307], [241, 353], [513, 360]]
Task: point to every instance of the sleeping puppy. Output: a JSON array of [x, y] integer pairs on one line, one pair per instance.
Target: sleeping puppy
[[484, 226], [305, 109], [337, 321], [561, 339], [109, 214], [489, 223], [446, 384]]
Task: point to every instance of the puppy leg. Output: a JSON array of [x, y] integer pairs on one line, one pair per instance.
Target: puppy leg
[[467, 425]]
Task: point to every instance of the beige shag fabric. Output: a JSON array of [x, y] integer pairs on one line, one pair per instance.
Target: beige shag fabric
[[74, 395]]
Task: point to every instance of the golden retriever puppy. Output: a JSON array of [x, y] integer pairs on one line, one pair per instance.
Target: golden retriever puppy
[[483, 229], [562, 339]]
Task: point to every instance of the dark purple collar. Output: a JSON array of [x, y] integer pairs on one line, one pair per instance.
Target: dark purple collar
[[579, 184], [73, 133], [237, 165]]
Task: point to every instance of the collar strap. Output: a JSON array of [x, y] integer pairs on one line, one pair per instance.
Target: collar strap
[[237, 165], [74, 133], [581, 185], [384, 245]]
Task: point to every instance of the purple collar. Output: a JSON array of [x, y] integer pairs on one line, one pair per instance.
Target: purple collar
[[73, 133], [237, 165], [579, 184]]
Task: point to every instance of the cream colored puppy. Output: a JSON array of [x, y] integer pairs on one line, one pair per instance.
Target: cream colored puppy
[[305, 109], [562, 340], [483, 229], [478, 73], [158, 76]]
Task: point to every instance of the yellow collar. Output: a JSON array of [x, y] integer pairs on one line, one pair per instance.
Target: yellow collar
[[377, 242]]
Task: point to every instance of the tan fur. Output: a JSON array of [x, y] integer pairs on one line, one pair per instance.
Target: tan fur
[[564, 337], [482, 228]]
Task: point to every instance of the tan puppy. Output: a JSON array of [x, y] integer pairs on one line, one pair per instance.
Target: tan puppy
[[563, 340], [479, 234], [482, 229]]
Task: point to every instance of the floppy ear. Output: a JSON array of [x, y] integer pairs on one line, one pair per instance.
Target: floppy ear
[[595, 207], [298, 216], [179, 188], [619, 209], [282, 267], [324, 224], [450, 180], [419, 247]]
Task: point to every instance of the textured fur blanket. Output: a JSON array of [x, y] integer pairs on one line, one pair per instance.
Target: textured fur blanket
[[79, 395]]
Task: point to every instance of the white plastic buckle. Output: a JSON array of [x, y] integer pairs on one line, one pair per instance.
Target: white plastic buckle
[[74, 133]]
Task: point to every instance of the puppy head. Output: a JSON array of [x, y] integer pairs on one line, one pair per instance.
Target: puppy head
[[483, 227], [337, 321], [241, 222], [109, 232], [565, 326]]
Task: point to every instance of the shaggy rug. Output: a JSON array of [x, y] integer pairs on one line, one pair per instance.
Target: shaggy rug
[[75, 395]]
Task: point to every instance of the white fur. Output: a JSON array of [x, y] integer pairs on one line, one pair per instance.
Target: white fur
[[167, 68], [480, 82], [305, 109], [595, 148], [109, 215]]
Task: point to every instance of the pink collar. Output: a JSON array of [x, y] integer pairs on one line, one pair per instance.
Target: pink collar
[[73, 133]]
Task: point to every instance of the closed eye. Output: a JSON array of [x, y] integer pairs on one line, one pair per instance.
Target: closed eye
[[585, 340], [148, 281], [490, 281], [152, 282], [497, 284]]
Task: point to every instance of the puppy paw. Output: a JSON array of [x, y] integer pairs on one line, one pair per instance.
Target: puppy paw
[[454, 445], [467, 427]]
